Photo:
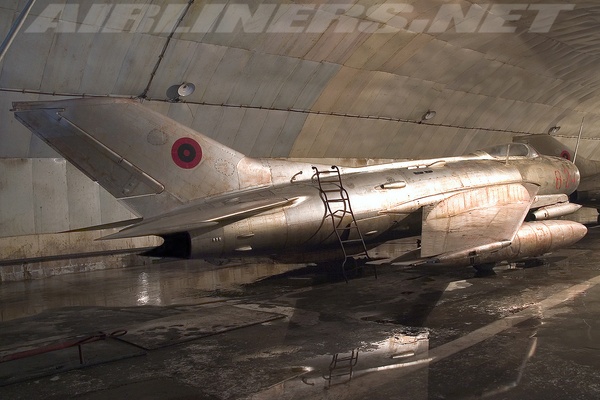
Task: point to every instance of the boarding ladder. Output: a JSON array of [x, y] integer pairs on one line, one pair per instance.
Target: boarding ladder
[[342, 366], [338, 208]]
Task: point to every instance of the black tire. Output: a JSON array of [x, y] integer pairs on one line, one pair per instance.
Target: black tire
[[487, 267]]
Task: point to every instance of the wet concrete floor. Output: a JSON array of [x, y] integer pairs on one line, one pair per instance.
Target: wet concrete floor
[[423, 332]]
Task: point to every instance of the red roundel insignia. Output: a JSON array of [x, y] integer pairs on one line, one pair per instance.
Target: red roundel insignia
[[186, 153], [566, 155]]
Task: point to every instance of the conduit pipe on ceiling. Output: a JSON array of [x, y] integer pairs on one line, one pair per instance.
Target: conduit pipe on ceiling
[[15, 29]]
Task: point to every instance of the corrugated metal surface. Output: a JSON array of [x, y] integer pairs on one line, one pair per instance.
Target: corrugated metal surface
[[16, 198], [47, 195], [83, 199], [50, 205]]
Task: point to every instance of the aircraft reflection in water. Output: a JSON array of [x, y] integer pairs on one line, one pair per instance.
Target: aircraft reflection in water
[[209, 201]]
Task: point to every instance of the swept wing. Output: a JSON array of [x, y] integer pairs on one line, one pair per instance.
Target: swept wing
[[475, 218]]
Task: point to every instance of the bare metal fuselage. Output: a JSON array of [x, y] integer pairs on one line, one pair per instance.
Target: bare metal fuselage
[[387, 201]]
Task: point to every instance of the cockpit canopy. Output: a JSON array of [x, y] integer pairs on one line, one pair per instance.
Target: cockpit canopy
[[512, 150]]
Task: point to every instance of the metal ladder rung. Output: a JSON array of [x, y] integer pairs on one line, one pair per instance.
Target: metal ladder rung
[[343, 360], [341, 212], [346, 369], [341, 373], [351, 241], [337, 213], [347, 228]]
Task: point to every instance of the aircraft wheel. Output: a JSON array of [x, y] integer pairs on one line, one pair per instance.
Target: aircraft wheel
[[354, 267], [533, 262], [333, 271], [487, 267]]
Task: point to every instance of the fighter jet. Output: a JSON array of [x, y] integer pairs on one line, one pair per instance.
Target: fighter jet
[[588, 191], [209, 201]]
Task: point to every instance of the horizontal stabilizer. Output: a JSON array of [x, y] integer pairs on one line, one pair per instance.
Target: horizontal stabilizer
[[206, 216], [110, 225]]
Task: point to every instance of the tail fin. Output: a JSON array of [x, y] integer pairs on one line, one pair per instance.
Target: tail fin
[[550, 146], [546, 144], [145, 159]]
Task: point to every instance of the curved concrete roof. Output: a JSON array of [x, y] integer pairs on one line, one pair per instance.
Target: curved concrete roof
[[305, 79]]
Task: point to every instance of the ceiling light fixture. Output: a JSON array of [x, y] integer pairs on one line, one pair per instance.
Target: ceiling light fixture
[[428, 115], [185, 89], [175, 92]]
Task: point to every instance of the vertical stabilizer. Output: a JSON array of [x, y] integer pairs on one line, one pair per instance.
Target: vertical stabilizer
[[550, 146], [143, 158]]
